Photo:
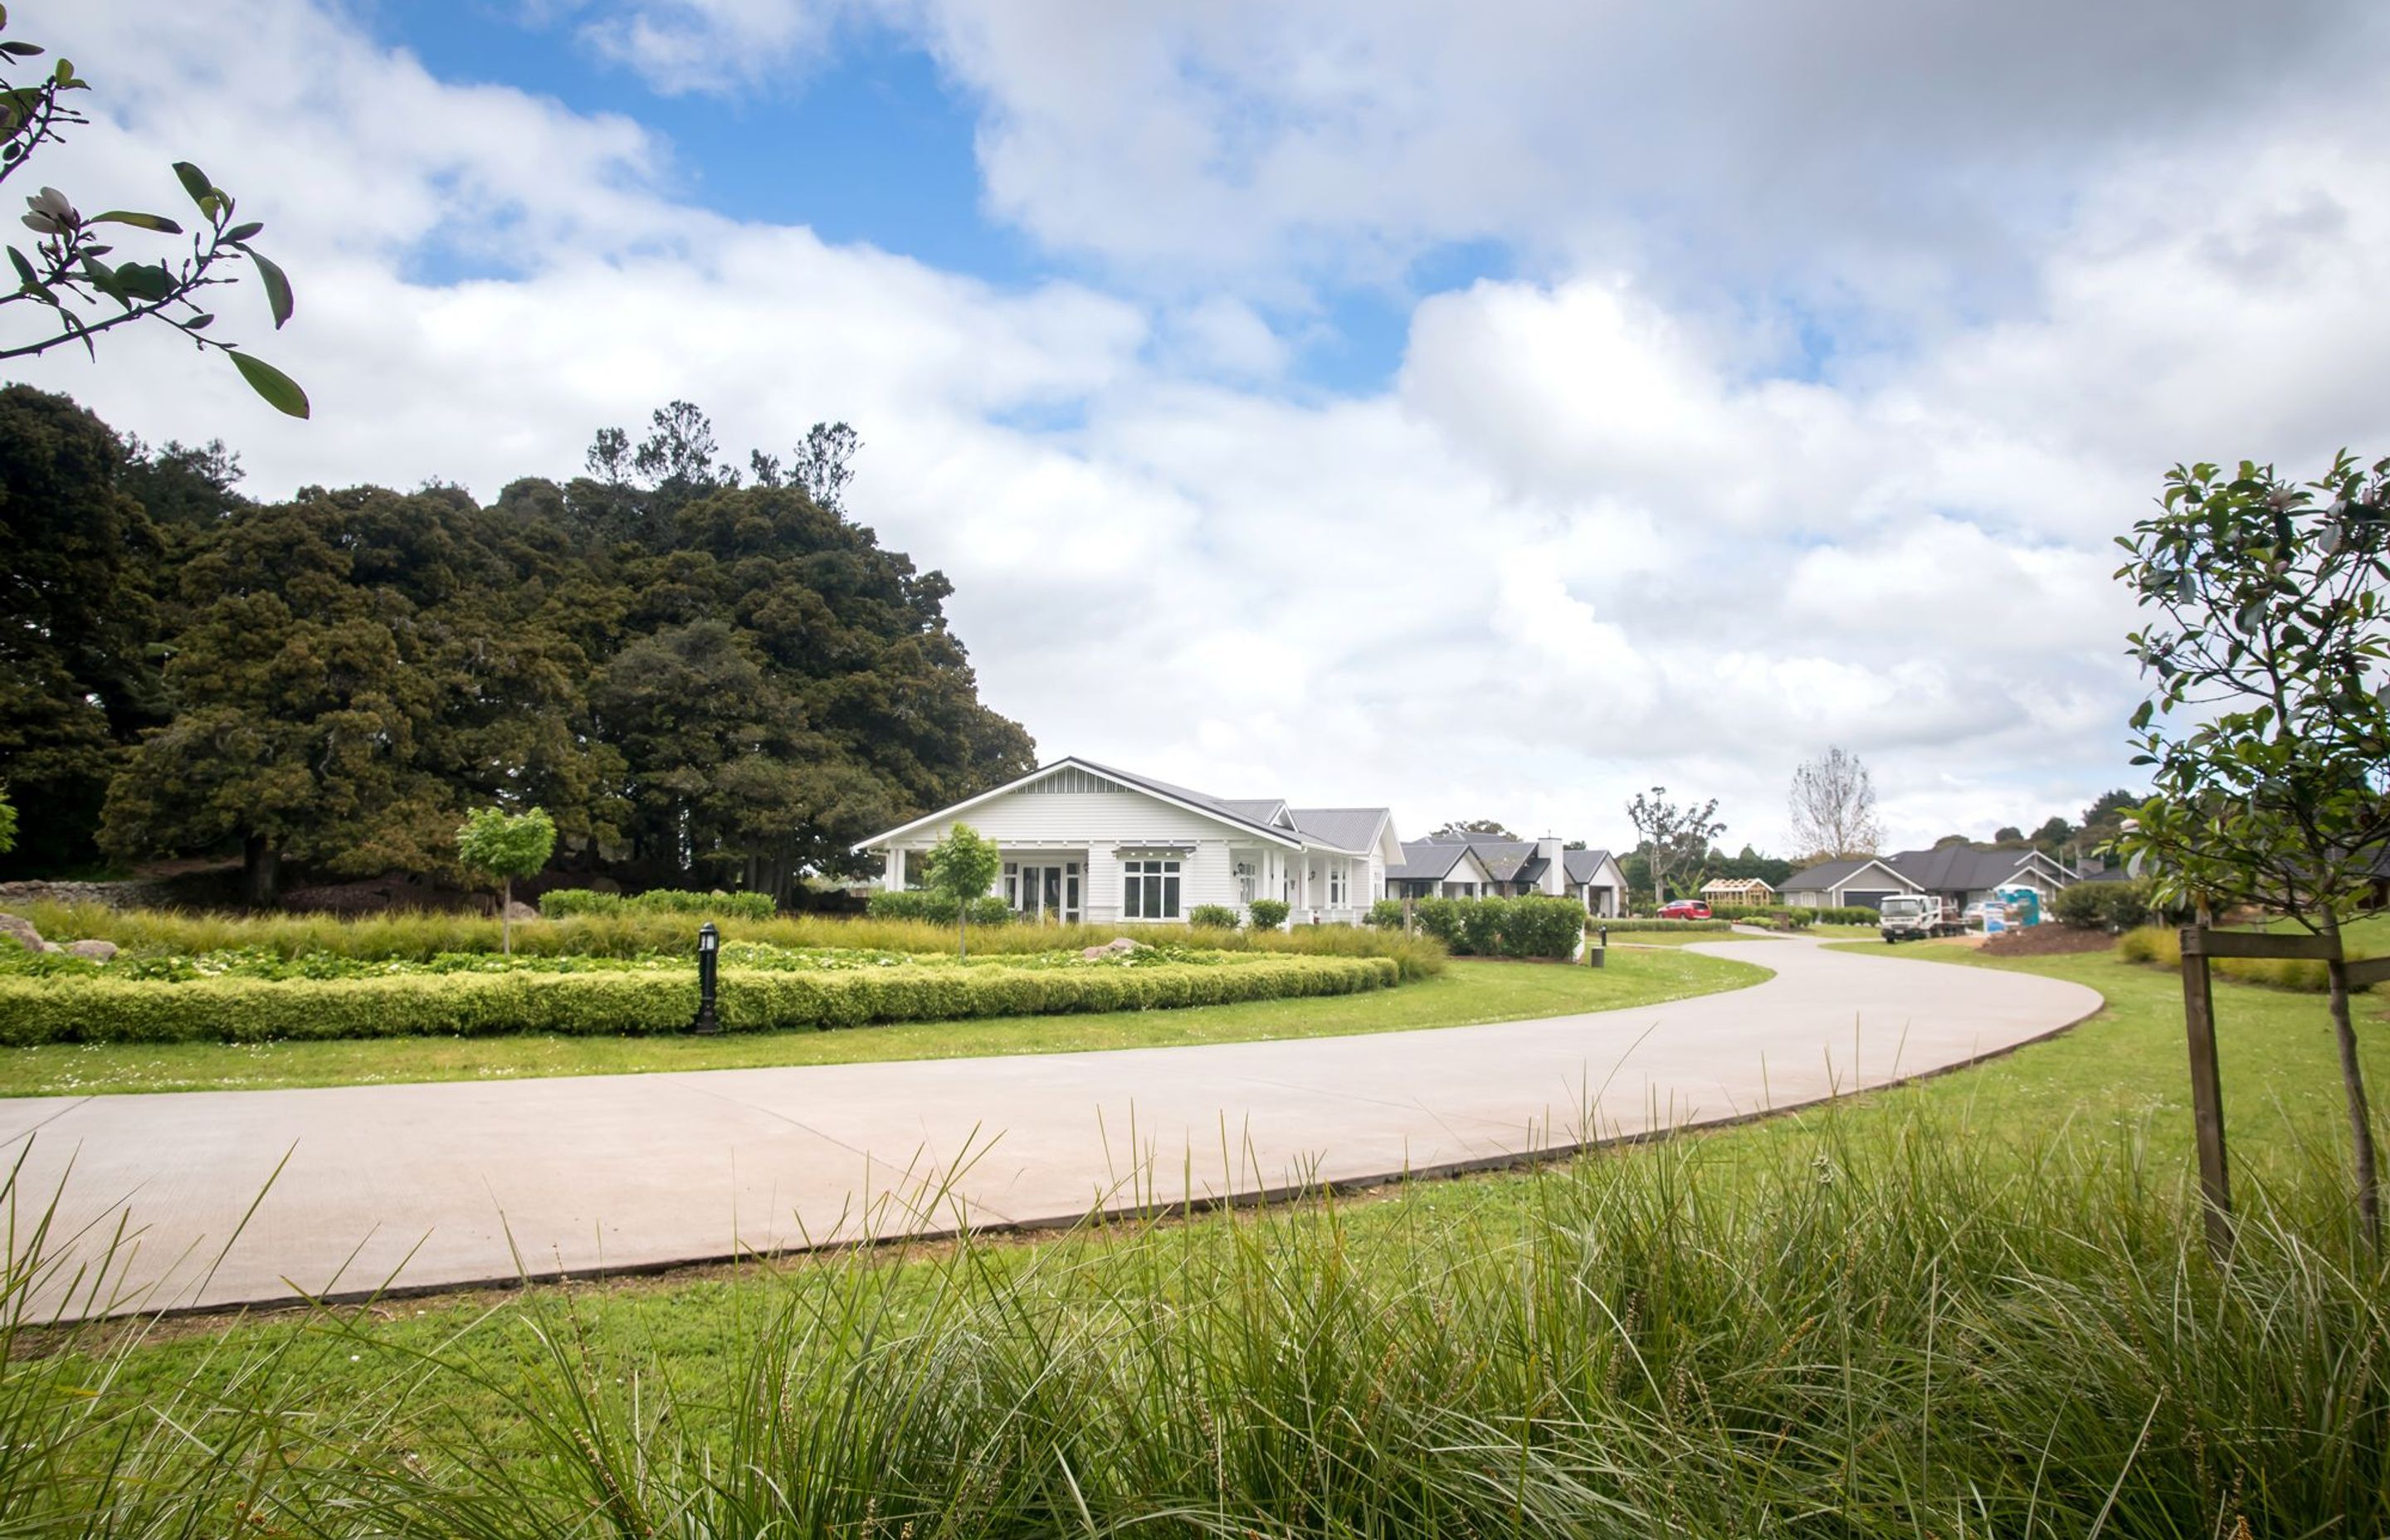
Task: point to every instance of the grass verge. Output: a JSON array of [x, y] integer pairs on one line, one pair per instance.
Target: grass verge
[[1463, 994]]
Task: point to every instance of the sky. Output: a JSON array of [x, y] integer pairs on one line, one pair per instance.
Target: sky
[[1490, 411]]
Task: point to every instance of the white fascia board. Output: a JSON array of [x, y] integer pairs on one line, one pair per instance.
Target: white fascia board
[[1068, 762]]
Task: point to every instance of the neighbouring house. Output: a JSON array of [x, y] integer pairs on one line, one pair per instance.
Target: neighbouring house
[[1959, 873], [1481, 866], [1086, 841], [1738, 892]]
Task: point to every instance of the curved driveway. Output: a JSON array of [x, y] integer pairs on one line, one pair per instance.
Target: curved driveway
[[446, 1183]]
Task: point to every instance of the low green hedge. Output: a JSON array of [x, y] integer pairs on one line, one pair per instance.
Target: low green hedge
[[563, 902], [935, 908], [86, 1009]]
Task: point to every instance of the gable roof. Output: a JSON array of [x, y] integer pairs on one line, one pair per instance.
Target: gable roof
[[1432, 860], [1828, 875], [1345, 828], [1955, 868], [1584, 866]]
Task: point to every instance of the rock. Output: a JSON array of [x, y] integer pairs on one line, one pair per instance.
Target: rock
[[519, 911], [93, 951], [49, 947], [1119, 946], [21, 931]]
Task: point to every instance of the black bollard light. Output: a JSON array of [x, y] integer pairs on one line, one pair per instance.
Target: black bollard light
[[1599, 956], [709, 945]]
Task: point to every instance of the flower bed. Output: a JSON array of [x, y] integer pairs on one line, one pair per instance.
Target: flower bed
[[631, 997]]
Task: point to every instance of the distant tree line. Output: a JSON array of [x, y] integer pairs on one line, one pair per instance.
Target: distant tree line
[[700, 681]]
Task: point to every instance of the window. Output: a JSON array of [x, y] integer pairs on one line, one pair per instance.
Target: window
[[1244, 882], [1149, 890], [1335, 887], [1012, 884]]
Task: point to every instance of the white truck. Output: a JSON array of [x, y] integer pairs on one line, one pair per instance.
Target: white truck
[[1905, 919]]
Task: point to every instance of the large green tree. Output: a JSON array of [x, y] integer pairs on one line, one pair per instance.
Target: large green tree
[[78, 621]]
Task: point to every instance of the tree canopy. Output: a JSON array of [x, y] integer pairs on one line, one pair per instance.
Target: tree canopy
[[1493, 828], [702, 682]]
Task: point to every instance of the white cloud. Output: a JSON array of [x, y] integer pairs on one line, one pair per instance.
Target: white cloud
[[1581, 545]]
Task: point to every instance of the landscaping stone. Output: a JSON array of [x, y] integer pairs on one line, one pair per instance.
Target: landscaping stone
[[518, 911], [116, 896], [21, 931], [1119, 946], [93, 951]]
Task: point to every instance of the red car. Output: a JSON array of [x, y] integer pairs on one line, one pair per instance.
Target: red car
[[1684, 908]]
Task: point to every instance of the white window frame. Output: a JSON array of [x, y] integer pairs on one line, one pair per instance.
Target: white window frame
[[1153, 888]]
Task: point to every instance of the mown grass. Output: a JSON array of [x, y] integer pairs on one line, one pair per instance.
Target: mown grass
[[1976, 1305], [1466, 993]]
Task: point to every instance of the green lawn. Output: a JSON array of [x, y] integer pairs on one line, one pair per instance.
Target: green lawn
[[1468, 992], [1950, 1302]]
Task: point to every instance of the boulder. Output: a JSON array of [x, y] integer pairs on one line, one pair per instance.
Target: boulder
[[21, 931], [518, 911], [93, 951], [1119, 946]]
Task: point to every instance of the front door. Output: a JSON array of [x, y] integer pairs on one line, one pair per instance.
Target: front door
[[1049, 890]]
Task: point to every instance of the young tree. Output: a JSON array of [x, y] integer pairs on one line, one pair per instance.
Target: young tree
[[8, 823], [2268, 734], [1833, 807], [67, 273], [1672, 835], [1493, 828], [505, 846], [963, 866]]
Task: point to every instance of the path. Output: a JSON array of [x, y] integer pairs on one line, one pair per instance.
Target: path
[[445, 1184]]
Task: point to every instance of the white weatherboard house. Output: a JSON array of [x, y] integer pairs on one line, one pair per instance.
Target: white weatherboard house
[[1084, 841]]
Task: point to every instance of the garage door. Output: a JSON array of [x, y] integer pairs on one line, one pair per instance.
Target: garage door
[[1866, 901]]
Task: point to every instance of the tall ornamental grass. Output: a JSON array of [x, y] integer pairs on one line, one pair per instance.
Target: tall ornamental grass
[[2161, 946], [1886, 1327], [419, 936]]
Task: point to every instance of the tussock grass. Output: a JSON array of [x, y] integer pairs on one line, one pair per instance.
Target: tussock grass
[[1882, 1327], [419, 936], [2161, 946]]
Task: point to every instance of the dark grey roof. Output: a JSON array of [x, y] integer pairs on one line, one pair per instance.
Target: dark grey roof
[[1260, 809], [1952, 869], [1426, 860], [1344, 827], [1830, 874], [1957, 867], [1583, 865]]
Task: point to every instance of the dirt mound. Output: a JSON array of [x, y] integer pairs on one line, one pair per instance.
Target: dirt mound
[[2046, 941]]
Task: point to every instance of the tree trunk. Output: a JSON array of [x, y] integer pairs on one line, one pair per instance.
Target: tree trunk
[[507, 916], [2352, 1078], [962, 927], [261, 872]]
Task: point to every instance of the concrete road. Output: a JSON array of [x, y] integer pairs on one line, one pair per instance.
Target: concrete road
[[445, 1185]]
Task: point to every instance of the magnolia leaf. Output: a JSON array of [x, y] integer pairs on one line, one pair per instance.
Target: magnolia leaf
[[24, 268], [22, 50], [277, 290], [280, 391], [194, 182], [159, 223], [239, 233]]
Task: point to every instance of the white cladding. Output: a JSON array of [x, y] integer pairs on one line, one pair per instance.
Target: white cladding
[[1096, 827]]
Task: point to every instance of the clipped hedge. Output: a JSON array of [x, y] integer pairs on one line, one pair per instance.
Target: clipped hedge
[[1529, 927], [565, 902], [86, 1009], [934, 909]]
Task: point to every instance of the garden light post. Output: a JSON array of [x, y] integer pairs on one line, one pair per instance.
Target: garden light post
[[1599, 956], [709, 948]]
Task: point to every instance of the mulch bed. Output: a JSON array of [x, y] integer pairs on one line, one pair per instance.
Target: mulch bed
[[2046, 941]]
